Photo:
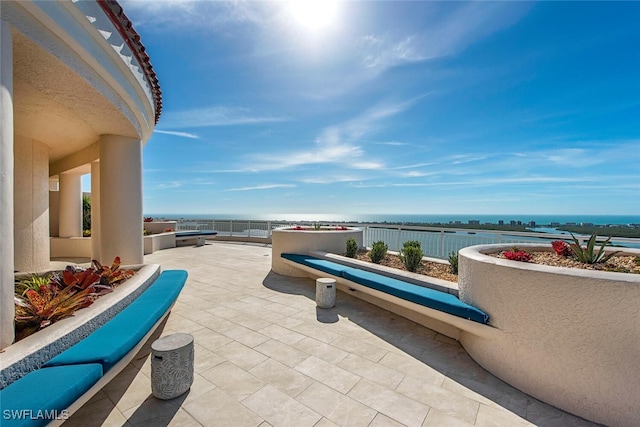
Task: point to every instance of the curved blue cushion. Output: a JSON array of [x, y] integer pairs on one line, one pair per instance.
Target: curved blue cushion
[[317, 263], [35, 398], [113, 340], [420, 295]]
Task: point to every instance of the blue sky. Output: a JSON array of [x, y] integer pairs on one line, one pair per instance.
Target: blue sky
[[393, 107]]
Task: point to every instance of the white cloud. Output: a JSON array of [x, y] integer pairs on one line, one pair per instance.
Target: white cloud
[[217, 115], [172, 184], [262, 187], [174, 133]]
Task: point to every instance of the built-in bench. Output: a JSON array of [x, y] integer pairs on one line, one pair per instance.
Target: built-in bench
[[440, 305], [195, 237], [71, 378]]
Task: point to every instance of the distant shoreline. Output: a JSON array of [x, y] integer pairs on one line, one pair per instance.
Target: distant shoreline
[[407, 219]]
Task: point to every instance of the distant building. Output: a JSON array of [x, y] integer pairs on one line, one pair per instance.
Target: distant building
[[570, 223], [474, 222], [500, 222], [512, 222], [532, 223], [555, 224], [586, 224]]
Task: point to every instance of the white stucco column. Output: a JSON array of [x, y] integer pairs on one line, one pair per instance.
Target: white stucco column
[[31, 205], [6, 186], [70, 205], [121, 199], [95, 210]]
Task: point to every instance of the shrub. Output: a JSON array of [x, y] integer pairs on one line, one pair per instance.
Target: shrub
[[517, 255], [561, 248], [352, 247], [378, 252], [411, 243], [453, 262], [411, 256], [86, 233], [587, 254]]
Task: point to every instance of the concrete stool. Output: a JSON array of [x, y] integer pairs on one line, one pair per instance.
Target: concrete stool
[[325, 292], [171, 365]]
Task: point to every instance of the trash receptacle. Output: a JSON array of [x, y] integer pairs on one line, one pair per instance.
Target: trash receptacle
[[325, 292], [171, 365]]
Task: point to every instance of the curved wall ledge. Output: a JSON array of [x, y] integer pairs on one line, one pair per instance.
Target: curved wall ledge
[[306, 241], [32, 352], [569, 337]]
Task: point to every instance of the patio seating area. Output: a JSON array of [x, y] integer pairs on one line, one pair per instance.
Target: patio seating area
[[266, 355]]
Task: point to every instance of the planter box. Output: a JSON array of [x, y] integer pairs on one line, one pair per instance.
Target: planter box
[[156, 242], [288, 240], [156, 227], [569, 337]]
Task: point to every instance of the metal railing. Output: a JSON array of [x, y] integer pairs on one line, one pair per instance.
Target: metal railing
[[436, 242]]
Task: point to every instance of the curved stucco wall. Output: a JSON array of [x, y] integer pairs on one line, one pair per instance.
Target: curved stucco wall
[[569, 337], [306, 241]]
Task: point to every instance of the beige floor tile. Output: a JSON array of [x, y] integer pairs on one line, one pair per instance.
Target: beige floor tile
[[282, 334], [282, 377], [321, 350], [318, 332], [97, 412], [209, 339], [326, 423], [337, 407], [281, 308], [282, 352], [234, 381], [493, 417], [391, 403], [251, 322], [372, 371], [225, 312], [491, 392], [280, 410], [156, 412], [246, 336], [382, 420], [361, 348], [436, 418], [216, 408], [445, 401], [179, 323], [253, 300], [288, 321], [328, 374], [129, 388], [205, 359], [241, 355], [412, 367]]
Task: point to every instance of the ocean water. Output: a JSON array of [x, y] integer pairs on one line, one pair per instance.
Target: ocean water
[[412, 218]]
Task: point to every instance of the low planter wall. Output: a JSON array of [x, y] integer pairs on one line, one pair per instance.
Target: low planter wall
[[33, 351], [156, 227], [156, 242], [569, 337], [288, 240]]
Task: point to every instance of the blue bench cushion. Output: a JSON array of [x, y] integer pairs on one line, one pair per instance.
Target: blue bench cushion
[[40, 395], [317, 263], [420, 295], [113, 340]]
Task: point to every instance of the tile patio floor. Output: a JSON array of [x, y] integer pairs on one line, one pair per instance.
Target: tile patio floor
[[266, 356]]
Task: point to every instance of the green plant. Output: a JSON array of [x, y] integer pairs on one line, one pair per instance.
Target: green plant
[[34, 281], [587, 254], [411, 255], [378, 252], [636, 260], [86, 213], [352, 247], [86, 233], [453, 262], [317, 226]]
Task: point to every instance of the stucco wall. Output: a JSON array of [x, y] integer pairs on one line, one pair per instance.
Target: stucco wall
[[568, 337], [31, 205], [307, 241]]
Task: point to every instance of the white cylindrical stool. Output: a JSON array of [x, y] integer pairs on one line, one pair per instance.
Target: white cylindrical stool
[[171, 365], [325, 292]]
